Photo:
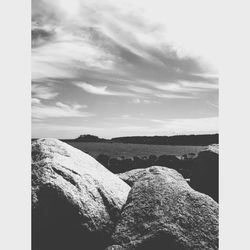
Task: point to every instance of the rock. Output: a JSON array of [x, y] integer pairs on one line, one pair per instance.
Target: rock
[[130, 177], [75, 200], [133, 175], [205, 174], [214, 148], [115, 247], [163, 212]]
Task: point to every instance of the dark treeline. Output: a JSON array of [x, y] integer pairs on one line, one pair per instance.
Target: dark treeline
[[185, 140], [199, 140], [90, 138]]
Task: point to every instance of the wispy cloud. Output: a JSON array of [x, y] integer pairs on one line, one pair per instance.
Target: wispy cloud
[[105, 36], [45, 92], [212, 104], [59, 109], [175, 96], [175, 126], [139, 89], [142, 101], [188, 126], [183, 86], [35, 101], [130, 53], [100, 90], [64, 52]]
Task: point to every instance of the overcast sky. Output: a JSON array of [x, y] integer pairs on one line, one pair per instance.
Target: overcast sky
[[117, 68]]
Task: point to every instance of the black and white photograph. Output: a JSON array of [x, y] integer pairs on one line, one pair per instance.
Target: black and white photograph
[[124, 125]]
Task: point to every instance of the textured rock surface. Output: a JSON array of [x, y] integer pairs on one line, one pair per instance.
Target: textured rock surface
[[214, 148], [75, 200], [130, 177], [205, 176], [164, 212]]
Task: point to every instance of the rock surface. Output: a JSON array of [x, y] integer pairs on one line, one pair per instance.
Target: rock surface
[[214, 148], [163, 212], [205, 176], [130, 177], [75, 200]]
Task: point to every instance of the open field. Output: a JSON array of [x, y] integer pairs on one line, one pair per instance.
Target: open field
[[128, 150]]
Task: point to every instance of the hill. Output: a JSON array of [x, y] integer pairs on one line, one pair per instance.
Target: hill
[[185, 140]]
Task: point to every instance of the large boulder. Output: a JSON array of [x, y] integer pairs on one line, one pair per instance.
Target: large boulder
[[130, 177], [163, 212], [75, 200], [205, 173]]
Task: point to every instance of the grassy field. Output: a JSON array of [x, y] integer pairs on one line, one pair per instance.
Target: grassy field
[[129, 150]]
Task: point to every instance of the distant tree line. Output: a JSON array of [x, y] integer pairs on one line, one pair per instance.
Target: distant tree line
[[200, 140], [185, 140], [89, 138]]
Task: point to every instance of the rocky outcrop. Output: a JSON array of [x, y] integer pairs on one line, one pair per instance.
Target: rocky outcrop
[[205, 173], [75, 200], [130, 177], [163, 212], [214, 148]]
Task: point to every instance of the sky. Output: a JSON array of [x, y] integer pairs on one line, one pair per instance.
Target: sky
[[122, 68]]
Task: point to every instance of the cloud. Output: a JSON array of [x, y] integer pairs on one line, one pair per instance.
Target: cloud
[[60, 53], [107, 36], [139, 89], [188, 126], [183, 85], [100, 90], [175, 96], [59, 109], [126, 117], [133, 49], [174, 126], [35, 101], [212, 104], [158, 121], [45, 92], [142, 101], [41, 35]]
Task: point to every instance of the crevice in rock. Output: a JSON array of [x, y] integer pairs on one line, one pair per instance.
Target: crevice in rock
[[74, 172], [110, 207], [68, 178]]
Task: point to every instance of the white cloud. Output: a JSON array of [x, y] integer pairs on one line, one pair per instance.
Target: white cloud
[[175, 126], [158, 121], [138, 89], [135, 25], [187, 25], [107, 47], [43, 92], [182, 86], [126, 117], [212, 104], [35, 101], [174, 96], [42, 111], [142, 101], [199, 85], [133, 128], [100, 90], [188, 126], [67, 53]]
